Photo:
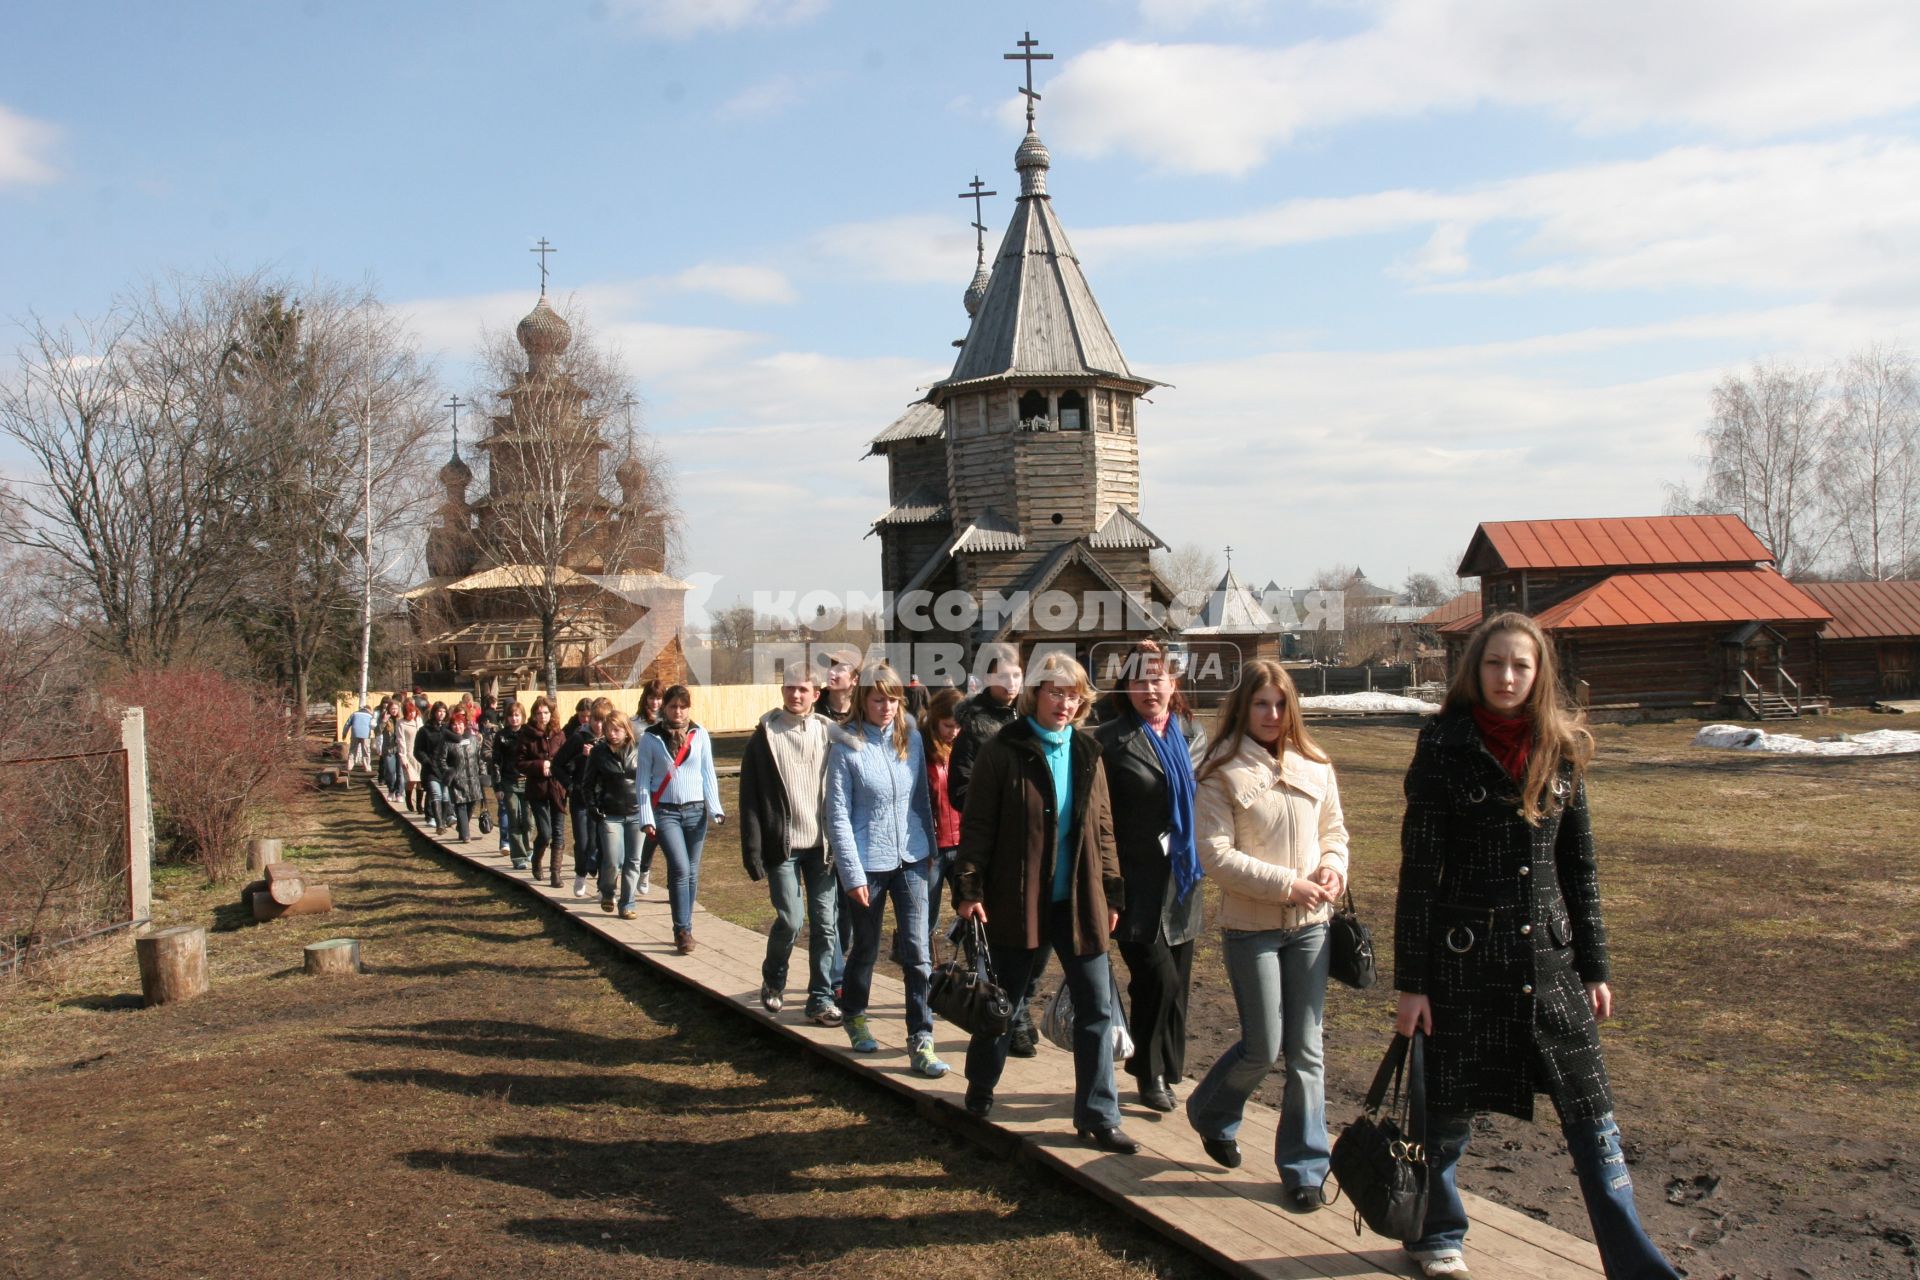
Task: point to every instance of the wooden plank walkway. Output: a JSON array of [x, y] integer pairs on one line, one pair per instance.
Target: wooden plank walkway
[[1230, 1217]]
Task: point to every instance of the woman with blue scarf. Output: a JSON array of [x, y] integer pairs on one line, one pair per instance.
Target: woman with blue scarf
[[1271, 835], [1149, 743]]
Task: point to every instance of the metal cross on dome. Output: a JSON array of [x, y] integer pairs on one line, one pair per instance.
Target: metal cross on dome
[[456, 404], [543, 249], [627, 402], [1028, 56], [979, 219]]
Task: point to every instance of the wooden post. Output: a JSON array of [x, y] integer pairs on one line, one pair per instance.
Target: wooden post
[[263, 852], [334, 956], [133, 740], [173, 964]]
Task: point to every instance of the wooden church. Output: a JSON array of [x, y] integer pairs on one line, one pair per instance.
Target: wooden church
[[1019, 472]]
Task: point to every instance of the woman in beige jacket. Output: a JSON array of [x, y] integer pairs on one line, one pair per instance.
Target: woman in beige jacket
[[1271, 835]]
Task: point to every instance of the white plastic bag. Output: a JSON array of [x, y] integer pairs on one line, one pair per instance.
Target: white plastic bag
[[1057, 1023]]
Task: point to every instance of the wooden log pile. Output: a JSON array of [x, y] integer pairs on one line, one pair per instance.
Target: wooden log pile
[[287, 890]]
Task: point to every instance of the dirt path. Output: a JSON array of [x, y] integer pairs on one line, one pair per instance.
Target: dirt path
[[498, 1097]]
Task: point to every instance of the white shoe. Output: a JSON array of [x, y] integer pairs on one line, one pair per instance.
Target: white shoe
[[1447, 1266], [646, 883], [579, 886]]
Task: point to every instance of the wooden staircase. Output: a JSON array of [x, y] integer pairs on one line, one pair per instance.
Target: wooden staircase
[[1771, 706]]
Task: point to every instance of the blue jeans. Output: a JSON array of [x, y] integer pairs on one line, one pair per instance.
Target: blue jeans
[[586, 839], [1279, 979], [543, 824], [1095, 1104], [803, 886], [940, 866], [1625, 1251], [682, 832], [906, 885], [438, 810], [505, 817], [390, 773], [620, 843]]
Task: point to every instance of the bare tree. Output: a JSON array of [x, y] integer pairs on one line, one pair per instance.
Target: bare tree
[[1871, 477], [732, 636], [140, 505], [1427, 589], [1188, 568], [1767, 446], [566, 505]]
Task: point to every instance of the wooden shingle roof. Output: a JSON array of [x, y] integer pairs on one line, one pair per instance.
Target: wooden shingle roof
[[1625, 543], [921, 421], [1868, 610]]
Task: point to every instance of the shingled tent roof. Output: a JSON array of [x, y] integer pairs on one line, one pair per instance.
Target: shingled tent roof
[[1038, 318]]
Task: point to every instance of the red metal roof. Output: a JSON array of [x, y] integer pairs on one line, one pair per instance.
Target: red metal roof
[[1681, 596], [1868, 610], [1626, 542], [1464, 605]]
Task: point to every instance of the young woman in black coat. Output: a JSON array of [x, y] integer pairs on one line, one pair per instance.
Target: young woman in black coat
[[429, 749], [1153, 827], [1500, 955]]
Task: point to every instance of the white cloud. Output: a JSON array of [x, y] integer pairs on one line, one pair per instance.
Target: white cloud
[[911, 249], [1825, 218], [1177, 15], [24, 147], [736, 283], [679, 19], [1736, 68], [767, 98]]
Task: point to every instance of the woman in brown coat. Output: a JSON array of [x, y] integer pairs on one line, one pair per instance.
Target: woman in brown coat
[[1037, 867], [540, 742]]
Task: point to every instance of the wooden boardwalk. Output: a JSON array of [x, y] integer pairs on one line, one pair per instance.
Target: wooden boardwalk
[[1229, 1217]]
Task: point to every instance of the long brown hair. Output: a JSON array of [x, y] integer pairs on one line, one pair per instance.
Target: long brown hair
[[938, 709], [881, 678], [1134, 665], [674, 740], [1560, 732], [1230, 724]]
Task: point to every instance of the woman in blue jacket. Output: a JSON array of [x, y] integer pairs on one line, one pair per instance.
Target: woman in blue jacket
[[880, 829], [676, 772]]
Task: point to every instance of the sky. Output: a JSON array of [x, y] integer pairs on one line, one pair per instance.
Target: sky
[[1406, 265]]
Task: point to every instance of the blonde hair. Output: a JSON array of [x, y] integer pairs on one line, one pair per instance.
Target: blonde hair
[[1560, 732], [880, 678], [1230, 722], [1057, 668], [617, 719]]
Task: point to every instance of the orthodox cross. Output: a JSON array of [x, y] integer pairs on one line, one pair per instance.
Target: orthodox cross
[[543, 250], [456, 404], [979, 226], [1028, 56], [627, 402], [1229, 557]]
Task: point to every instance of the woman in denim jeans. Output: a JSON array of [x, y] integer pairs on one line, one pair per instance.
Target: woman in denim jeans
[[1500, 953], [676, 771], [1271, 834], [610, 785], [880, 830]]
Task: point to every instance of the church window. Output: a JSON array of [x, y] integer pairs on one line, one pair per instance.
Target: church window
[[1073, 411], [1033, 411]]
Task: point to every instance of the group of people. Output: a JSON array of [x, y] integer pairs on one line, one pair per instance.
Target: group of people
[[1062, 822]]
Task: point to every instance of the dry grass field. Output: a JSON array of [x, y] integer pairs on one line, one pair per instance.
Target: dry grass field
[[502, 1096]]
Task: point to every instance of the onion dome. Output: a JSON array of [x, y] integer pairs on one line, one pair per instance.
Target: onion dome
[[630, 474], [1033, 161], [543, 333], [456, 473], [977, 291]]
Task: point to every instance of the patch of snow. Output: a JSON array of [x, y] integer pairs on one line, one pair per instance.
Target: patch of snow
[[1875, 742], [1369, 702]]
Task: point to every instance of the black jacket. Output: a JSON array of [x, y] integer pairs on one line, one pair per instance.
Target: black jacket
[[570, 765], [1498, 924], [607, 781], [504, 759], [980, 718], [1137, 787], [429, 748], [765, 806], [459, 767]]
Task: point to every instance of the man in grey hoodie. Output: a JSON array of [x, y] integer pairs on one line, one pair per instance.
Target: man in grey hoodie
[[783, 791]]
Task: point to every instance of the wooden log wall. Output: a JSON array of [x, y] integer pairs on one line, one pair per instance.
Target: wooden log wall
[[1054, 475]]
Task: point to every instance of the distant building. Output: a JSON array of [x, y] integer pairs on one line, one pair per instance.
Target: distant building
[[1871, 649], [1673, 612], [622, 614]]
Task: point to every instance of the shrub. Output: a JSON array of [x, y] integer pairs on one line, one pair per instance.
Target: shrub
[[217, 759]]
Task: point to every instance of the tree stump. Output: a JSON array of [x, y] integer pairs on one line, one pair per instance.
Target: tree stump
[[262, 853], [173, 964], [335, 955], [285, 883], [252, 887], [316, 899]]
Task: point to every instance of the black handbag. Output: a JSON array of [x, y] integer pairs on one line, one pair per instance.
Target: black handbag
[[963, 990], [1381, 1159], [1350, 947], [486, 822]]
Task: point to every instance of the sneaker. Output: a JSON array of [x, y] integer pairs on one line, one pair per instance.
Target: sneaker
[[1451, 1266], [628, 913], [606, 904], [826, 1015], [772, 998], [579, 886], [926, 1062], [858, 1036], [646, 883]]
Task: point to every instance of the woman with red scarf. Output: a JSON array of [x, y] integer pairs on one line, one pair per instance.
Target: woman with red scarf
[[1500, 955]]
